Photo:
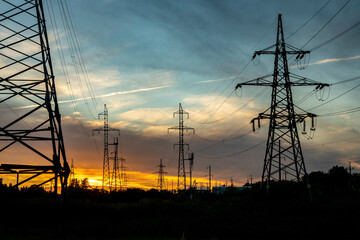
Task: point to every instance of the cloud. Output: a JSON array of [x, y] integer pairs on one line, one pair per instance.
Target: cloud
[[330, 60], [130, 91], [215, 80], [105, 95]]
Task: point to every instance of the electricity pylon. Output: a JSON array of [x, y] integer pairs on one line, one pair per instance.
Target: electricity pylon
[[210, 175], [161, 176], [30, 125], [115, 177], [123, 175], [191, 166], [106, 161], [118, 177], [181, 184], [283, 150], [72, 171]]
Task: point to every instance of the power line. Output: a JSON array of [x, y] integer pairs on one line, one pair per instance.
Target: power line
[[231, 114], [61, 54], [335, 37], [242, 70], [206, 121], [226, 139], [74, 52], [336, 141], [233, 154], [343, 112], [222, 93], [347, 80], [346, 92], [326, 24], [306, 97], [76, 55], [83, 66], [216, 110], [296, 60], [309, 19]]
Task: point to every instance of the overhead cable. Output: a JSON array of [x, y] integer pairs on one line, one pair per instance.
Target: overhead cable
[[326, 24], [309, 19]]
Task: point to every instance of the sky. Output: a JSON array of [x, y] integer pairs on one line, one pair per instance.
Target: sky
[[144, 57]]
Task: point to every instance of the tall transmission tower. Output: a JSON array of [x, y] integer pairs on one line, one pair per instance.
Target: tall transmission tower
[[161, 176], [106, 161], [118, 177], [210, 175], [115, 177], [283, 150], [181, 184], [31, 123], [72, 170], [123, 175], [191, 166]]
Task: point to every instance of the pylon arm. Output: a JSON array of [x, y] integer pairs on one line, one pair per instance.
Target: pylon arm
[[261, 81], [302, 81], [114, 130], [181, 112], [102, 129], [173, 128], [287, 52], [97, 130], [299, 118], [299, 81], [183, 128], [293, 50], [185, 144], [189, 128]]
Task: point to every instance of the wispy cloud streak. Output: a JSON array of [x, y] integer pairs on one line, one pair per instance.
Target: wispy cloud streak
[[119, 93], [215, 80], [335, 60], [106, 95]]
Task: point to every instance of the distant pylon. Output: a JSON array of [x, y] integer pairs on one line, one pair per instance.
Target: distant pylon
[[181, 184], [161, 176], [106, 161], [118, 176], [123, 175], [283, 150], [72, 170], [210, 175], [31, 121], [115, 177], [191, 166]]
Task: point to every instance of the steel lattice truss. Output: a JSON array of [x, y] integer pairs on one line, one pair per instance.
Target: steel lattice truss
[[106, 183], [181, 160], [30, 124], [283, 150], [118, 176], [161, 176]]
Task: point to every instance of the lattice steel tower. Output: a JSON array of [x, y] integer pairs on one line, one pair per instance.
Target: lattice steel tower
[[115, 176], [181, 163], [106, 161], [283, 150], [161, 176], [118, 177], [30, 124], [123, 175]]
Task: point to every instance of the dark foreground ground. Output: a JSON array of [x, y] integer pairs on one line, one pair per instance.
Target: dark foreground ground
[[286, 213]]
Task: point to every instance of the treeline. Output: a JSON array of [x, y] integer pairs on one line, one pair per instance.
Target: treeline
[[87, 213], [338, 180]]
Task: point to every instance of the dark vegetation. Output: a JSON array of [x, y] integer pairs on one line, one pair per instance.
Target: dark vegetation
[[286, 213]]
